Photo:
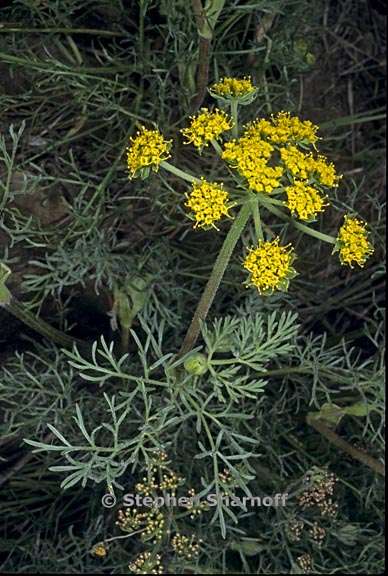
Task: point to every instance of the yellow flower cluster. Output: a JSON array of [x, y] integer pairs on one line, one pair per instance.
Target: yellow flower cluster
[[195, 506], [151, 522], [146, 563], [130, 519], [209, 203], [353, 243], [159, 459], [233, 87], [184, 546], [305, 563], [305, 166], [270, 266], [284, 128], [206, 126], [304, 200], [146, 150], [250, 155], [171, 481], [147, 487], [320, 492]]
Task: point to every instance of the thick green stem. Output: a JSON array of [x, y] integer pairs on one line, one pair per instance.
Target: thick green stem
[[178, 172], [124, 336], [215, 278]]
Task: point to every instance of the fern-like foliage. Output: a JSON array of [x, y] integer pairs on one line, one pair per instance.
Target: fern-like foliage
[[156, 401]]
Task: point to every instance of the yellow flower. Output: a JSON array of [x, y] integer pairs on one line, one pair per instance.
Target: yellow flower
[[270, 266], [305, 166], [249, 156], [326, 172], [233, 87], [206, 126], [209, 203], [284, 128], [353, 243], [259, 128], [146, 150], [298, 163], [304, 200]]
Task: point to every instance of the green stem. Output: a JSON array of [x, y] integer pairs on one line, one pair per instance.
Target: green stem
[[315, 233], [205, 36], [178, 172], [299, 225], [91, 31], [65, 69], [266, 199], [219, 151], [100, 189], [234, 114], [124, 337], [215, 278], [122, 537], [217, 147], [142, 15], [7, 186], [24, 315], [280, 372], [256, 216]]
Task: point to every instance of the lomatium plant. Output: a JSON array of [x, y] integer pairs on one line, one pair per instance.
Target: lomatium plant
[[204, 405]]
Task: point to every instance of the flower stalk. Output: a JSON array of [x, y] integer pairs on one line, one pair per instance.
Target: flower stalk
[[214, 281], [302, 227], [234, 114], [256, 216], [178, 172]]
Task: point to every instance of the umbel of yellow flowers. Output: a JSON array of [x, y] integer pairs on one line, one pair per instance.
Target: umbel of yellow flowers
[[205, 127], [270, 266], [274, 158], [209, 203], [233, 87], [353, 243], [304, 201], [146, 151], [240, 90]]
